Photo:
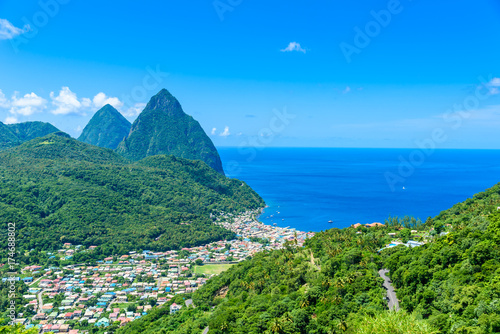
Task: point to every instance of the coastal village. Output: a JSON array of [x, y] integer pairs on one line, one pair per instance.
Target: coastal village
[[120, 290]]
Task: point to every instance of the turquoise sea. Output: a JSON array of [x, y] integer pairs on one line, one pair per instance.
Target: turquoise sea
[[305, 188]]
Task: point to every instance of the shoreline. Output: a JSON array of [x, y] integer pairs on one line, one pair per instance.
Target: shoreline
[[247, 225]]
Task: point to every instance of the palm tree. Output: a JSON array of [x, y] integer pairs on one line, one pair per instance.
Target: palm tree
[[275, 326]]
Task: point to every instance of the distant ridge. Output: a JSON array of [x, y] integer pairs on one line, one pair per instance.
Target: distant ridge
[[164, 128], [107, 128], [15, 134]]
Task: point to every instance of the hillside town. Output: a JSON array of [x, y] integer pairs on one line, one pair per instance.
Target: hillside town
[[117, 290]]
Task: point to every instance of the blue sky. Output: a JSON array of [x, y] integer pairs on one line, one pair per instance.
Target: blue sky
[[344, 73]]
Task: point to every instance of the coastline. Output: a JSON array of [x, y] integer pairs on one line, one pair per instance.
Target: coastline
[[247, 226]]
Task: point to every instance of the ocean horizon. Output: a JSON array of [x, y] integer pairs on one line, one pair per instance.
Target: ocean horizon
[[306, 188]]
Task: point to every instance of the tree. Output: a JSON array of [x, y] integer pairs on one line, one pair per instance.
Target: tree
[[405, 235], [438, 227]]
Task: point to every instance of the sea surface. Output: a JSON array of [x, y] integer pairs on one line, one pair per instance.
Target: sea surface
[[305, 188]]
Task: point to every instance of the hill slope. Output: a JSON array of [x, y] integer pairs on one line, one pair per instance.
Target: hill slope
[[58, 189], [7, 137], [455, 281], [450, 285], [107, 128], [164, 128], [14, 134]]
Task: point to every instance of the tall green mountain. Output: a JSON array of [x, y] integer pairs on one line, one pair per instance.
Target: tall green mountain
[[164, 128], [57, 189], [107, 128], [14, 134]]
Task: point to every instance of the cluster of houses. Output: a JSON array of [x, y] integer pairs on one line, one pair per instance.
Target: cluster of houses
[[247, 227], [100, 295]]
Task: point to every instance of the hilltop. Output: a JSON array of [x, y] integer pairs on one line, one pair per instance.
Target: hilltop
[[107, 128], [164, 128], [12, 135]]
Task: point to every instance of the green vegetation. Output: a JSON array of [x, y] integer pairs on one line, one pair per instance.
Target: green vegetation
[[73, 192], [294, 290], [18, 329], [449, 285], [15, 134], [454, 282], [164, 128], [107, 128], [393, 323], [212, 269]]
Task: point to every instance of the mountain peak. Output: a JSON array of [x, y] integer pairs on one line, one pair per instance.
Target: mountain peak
[[165, 102], [107, 128], [164, 128]]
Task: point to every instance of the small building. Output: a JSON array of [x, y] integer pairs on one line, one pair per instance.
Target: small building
[[28, 279], [174, 308]]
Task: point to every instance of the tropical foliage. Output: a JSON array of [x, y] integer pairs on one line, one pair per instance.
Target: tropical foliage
[[57, 190]]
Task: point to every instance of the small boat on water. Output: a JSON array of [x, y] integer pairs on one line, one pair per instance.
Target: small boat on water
[[330, 221], [275, 224]]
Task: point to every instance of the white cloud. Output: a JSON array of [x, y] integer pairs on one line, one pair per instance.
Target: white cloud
[[4, 103], [86, 102], [495, 82], [493, 86], [66, 102], [11, 120], [100, 100], [9, 31], [294, 46], [27, 105], [346, 90], [226, 132], [135, 110], [214, 130]]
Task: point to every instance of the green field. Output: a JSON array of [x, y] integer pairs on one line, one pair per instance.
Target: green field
[[211, 269]]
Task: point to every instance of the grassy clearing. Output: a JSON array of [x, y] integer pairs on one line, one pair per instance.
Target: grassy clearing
[[212, 269]]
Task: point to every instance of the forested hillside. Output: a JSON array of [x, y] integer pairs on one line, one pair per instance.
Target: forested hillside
[[316, 289], [454, 282], [57, 189], [449, 285], [12, 135]]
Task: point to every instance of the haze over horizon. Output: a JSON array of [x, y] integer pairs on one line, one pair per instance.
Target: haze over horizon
[[381, 74]]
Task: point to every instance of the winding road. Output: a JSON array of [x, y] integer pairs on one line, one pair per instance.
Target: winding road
[[393, 302]]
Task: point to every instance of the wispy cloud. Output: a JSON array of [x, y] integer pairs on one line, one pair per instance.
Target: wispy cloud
[[494, 86], [213, 131], [294, 46], [226, 132], [346, 90], [4, 103], [135, 110], [9, 31]]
